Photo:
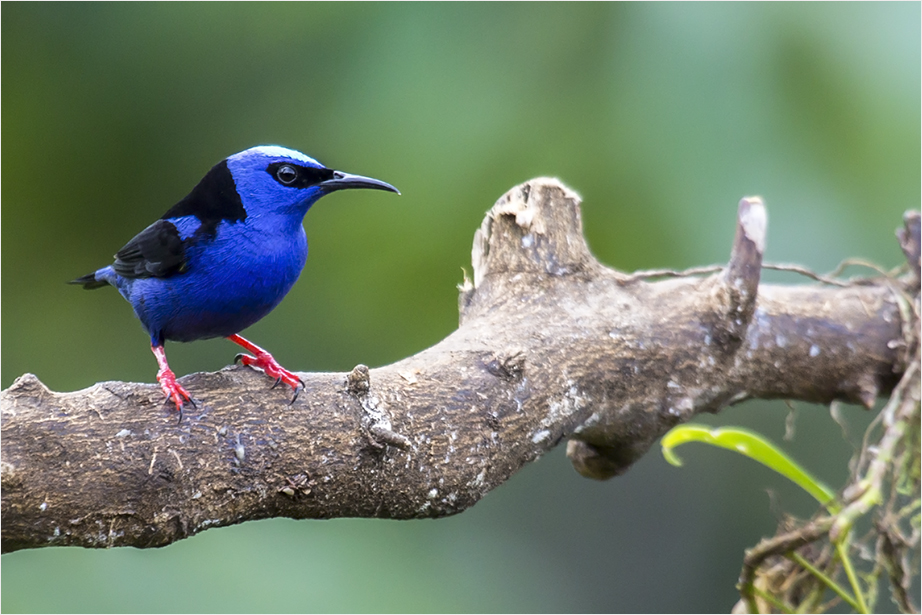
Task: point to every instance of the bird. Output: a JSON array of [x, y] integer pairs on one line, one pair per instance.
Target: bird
[[224, 256]]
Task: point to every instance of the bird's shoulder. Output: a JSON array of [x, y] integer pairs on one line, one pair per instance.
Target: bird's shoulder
[[214, 198]]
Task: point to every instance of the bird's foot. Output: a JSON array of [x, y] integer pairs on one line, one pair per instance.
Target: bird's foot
[[167, 379], [172, 389], [264, 361]]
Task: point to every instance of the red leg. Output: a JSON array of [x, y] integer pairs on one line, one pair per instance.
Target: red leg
[[167, 379], [264, 361]]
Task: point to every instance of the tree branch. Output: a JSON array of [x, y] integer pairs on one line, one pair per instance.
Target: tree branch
[[551, 345]]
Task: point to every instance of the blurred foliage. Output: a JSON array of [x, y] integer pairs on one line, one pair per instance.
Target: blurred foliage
[[660, 115]]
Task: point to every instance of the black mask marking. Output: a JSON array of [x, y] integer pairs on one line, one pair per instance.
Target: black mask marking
[[305, 178]]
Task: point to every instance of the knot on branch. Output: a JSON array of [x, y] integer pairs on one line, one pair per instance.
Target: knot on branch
[[25, 388], [375, 420], [742, 274], [358, 381], [600, 462], [534, 228]]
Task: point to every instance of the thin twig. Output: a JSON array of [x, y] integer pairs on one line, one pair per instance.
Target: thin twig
[[826, 580]]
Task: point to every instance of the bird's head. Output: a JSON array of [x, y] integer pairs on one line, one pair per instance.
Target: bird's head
[[272, 179]]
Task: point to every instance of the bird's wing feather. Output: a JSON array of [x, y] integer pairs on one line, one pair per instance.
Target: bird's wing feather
[[156, 252]]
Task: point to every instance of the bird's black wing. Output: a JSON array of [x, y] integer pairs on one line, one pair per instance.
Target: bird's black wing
[[156, 252]]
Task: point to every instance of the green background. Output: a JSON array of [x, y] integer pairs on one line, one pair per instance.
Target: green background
[[660, 115]]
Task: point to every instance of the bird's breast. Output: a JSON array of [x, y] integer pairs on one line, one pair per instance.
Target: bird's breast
[[251, 268]]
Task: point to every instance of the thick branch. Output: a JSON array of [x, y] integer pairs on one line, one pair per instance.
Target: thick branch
[[551, 345]]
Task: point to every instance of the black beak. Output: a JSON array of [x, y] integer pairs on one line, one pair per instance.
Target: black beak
[[342, 181]]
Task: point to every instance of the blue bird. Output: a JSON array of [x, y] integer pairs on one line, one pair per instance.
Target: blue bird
[[225, 255]]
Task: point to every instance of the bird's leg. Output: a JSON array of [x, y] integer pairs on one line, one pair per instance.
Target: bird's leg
[[264, 361], [167, 379]]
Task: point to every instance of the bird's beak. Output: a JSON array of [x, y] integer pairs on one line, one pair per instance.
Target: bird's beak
[[342, 181]]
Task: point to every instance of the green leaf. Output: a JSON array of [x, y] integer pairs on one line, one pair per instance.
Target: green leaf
[[753, 446]]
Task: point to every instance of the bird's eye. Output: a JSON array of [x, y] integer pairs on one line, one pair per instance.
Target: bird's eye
[[286, 174]]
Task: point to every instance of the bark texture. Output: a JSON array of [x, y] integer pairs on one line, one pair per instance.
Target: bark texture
[[551, 345]]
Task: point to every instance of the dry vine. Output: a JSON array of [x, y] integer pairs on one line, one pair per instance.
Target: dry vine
[[551, 345], [792, 571]]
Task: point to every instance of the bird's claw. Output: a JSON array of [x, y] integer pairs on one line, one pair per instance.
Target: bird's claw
[[173, 390], [265, 362], [298, 389]]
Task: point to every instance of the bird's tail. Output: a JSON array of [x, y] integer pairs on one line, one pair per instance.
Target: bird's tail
[[89, 281]]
